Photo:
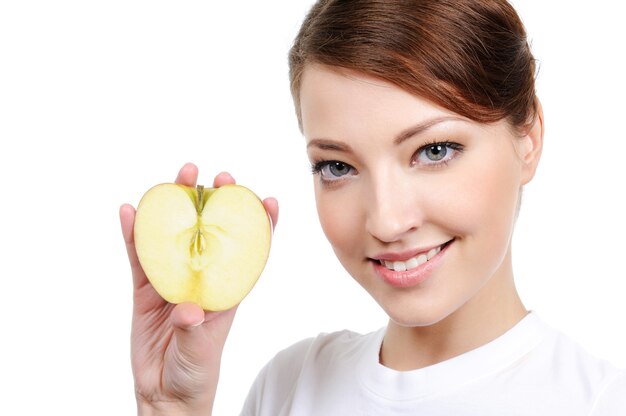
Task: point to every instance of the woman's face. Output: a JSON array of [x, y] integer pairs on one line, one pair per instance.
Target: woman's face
[[417, 202]]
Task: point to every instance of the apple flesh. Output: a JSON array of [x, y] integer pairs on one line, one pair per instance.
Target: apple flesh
[[202, 245]]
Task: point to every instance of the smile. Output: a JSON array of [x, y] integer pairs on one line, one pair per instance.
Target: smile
[[400, 270], [401, 266]]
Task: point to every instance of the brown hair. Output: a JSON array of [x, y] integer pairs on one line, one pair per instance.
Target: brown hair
[[468, 56]]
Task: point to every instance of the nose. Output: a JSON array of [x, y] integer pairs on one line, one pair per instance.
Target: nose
[[394, 209]]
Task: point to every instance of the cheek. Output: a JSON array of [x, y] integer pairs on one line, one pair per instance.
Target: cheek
[[340, 218], [479, 202], [499, 185]]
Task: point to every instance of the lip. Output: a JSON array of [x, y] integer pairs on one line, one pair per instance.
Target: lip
[[414, 276], [406, 255]]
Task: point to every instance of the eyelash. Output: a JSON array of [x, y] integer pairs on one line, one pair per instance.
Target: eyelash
[[458, 148], [318, 166]]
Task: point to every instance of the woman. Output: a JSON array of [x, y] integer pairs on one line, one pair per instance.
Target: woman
[[422, 127]]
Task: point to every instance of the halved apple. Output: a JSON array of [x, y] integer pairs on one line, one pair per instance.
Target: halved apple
[[202, 245]]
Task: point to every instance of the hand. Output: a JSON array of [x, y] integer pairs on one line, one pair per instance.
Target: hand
[[175, 349]]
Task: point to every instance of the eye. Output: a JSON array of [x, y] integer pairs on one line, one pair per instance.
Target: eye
[[331, 170], [436, 154]]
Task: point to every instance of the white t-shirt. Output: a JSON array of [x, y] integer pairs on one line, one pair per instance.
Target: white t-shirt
[[530, 370]]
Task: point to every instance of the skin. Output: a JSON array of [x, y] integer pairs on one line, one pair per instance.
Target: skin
[[389, 197], [389, 202], [175, 349]]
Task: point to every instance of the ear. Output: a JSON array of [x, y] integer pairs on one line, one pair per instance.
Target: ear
[[531, 146]]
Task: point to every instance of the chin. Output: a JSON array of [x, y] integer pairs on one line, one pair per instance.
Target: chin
[[412, 313]]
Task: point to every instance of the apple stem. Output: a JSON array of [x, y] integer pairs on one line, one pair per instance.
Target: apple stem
[[200, 202]]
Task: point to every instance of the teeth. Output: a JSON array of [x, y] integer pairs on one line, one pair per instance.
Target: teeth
[[400, 266], [412, 263]]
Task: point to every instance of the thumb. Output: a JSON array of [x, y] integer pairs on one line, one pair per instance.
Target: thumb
[[200, 335], [192, 361], [186, 316]]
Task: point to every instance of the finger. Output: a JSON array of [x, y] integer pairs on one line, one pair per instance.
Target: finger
[[187, 315], [223, 178], [271, 206], [199, 332], [127, 221], [187, 175]]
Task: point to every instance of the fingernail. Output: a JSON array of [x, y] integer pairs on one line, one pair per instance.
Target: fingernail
[[197, 324]]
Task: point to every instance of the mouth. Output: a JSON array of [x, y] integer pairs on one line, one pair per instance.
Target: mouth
[[413, 262], [409, 270]]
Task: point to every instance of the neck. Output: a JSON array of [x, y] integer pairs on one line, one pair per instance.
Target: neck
[[495, 309]]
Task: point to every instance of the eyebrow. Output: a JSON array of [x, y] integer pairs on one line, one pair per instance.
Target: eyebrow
[[422, 127], [328, 144]]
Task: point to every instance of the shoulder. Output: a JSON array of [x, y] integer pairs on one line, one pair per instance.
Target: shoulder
[[564, 352], [298, 364], [612, 398], [325, 347], [579, 374]]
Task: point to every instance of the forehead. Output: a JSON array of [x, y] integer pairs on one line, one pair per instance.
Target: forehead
[[335, 101]]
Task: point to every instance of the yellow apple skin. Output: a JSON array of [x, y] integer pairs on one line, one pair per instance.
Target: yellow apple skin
[[208, 247]]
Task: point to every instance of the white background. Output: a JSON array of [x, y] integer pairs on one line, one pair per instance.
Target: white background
[[101, 100]]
